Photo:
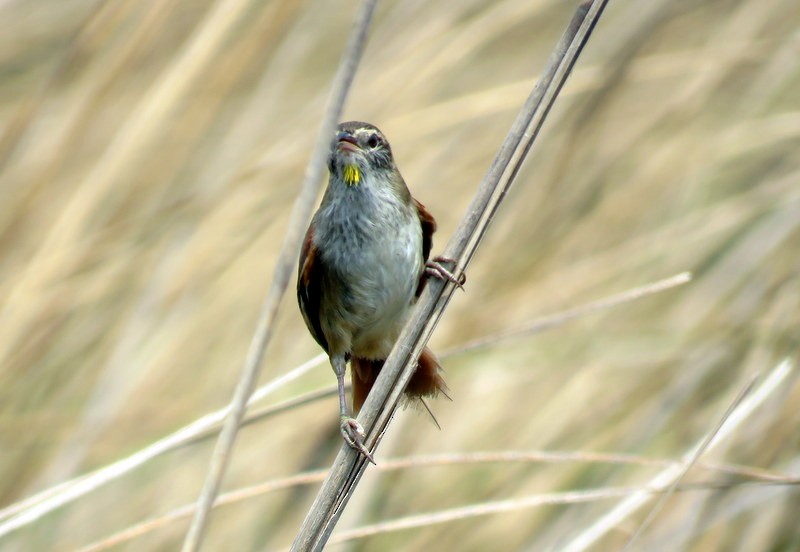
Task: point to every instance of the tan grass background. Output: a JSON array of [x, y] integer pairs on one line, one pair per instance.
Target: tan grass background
[[149, 155]]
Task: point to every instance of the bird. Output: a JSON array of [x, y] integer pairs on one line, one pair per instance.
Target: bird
[[363, 264]]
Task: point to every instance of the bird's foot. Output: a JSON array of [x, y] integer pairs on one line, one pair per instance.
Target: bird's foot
[[353, 435], [435, 267]]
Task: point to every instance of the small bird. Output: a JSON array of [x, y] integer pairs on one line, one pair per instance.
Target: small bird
[[363, 264]]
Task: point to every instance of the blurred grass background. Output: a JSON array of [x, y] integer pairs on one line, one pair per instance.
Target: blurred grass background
[[149, 156]]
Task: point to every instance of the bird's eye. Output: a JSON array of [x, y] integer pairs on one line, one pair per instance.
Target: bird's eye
[[373, 141]]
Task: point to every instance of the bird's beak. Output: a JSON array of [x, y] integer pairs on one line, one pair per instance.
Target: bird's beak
[[346, 143]]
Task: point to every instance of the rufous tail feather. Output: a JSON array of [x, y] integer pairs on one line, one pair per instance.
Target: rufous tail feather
[[427, 380]]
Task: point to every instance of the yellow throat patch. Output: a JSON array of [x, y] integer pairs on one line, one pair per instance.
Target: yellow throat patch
[[352, 175]]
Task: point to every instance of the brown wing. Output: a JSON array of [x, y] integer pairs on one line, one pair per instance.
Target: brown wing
[[428, 228], [309, 287]]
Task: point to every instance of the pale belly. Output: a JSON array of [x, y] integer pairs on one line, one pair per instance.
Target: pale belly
[[373, 294], [383, 315]]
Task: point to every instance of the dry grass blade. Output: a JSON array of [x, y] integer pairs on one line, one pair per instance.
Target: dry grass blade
[[547, 322], [34, 507], [691, 461], [187, 510], [752, 475], [595, 531], [153, 151], [25, 512], [380, 405], [301, 213], [142, 124], [513, 505]]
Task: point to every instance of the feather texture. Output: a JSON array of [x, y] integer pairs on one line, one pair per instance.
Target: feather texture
[[309, 288], [427, 380], [428, 224], [362, 264]]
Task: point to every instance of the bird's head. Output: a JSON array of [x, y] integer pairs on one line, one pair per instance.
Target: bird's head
[[360, 152]]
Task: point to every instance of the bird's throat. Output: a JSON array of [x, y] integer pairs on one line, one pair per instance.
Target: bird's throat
[[351, 175]]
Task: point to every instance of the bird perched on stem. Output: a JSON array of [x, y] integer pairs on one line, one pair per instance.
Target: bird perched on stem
[[363, 264]]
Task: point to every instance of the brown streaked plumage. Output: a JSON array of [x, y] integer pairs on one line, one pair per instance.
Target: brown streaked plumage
[[363, 264]]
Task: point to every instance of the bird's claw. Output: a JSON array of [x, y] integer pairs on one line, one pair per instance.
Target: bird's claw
[[354, 435], [436, 268]]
